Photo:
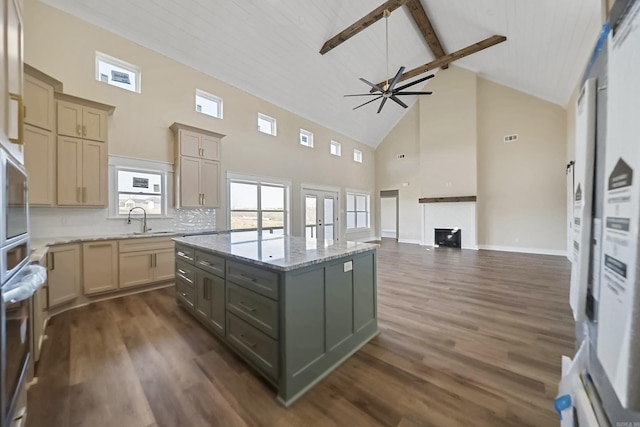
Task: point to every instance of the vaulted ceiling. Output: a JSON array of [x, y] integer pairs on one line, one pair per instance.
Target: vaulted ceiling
[[270, 48]]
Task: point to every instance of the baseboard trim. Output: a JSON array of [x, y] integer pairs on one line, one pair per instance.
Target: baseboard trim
[[364, 239], [536, 251], [410, 241]]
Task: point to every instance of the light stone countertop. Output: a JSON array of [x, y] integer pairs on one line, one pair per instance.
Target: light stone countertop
[[276, 252]]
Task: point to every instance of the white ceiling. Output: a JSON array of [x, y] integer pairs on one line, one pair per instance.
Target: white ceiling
[[270, 47]]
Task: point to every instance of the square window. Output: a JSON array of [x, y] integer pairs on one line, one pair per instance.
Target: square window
[[143, 189], [306, 138], [266, 124], [336, 148], [209, 104], [115, 72], [357, 156], [357, 211]]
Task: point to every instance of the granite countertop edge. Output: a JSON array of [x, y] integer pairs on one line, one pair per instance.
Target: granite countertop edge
[[364, 247]]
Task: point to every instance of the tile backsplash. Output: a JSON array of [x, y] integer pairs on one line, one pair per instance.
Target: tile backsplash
[[186, 220]]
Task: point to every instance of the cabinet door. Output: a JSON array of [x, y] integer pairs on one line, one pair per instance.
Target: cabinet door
[[136, 268], [14, 52], [100, 267], [94, 124], [190, 182], [209, 184], [69, 119], [38, 308], [69, 171], [210, 147], [164, 265], [38, 103], [94, 173], [4, 95], [40, 160], [189, 143], [64, 274]]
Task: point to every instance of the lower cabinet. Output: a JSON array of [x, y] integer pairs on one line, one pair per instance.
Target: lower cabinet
[[146, 260], [64, 274], [209, 300], [100, 262], [136, 268]]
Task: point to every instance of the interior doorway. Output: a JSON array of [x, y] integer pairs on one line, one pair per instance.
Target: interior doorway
[[389, 209], [320, 214]]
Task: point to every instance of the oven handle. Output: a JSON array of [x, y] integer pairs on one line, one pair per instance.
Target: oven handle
[[34, 277]]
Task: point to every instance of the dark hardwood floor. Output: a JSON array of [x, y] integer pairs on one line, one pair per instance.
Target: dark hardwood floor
[[468, 338]]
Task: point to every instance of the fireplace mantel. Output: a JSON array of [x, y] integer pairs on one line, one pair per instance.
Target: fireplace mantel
[[447, 199]]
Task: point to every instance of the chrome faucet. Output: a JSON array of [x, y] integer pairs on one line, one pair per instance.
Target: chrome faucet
[[144, 220]]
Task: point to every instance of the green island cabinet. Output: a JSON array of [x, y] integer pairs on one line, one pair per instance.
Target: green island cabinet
[[294, 309]]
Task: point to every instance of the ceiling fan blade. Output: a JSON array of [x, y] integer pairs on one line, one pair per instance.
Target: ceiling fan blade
[[368, 102], [395, 79], [363, 94], [430, 76], [412, 93], [402, 104], [376, 87], [382, 104]]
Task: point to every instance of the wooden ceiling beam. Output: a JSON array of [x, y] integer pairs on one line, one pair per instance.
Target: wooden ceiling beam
[[353, 29], [447, 59], [421, 19]]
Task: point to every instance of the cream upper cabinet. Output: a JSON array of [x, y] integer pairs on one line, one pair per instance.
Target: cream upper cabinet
[[100, 266], [82, 172], [81, 121], [197, 162], [63, 274], [40, 162], [39, 106]]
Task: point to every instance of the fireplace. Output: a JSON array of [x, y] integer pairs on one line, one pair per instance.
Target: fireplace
[[450, 237]]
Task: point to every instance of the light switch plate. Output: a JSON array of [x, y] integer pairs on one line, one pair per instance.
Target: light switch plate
[[348, 266]]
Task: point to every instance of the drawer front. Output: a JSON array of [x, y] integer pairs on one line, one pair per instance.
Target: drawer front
[[260, 281], [185, 253], [186, 273], [145, 244], [254, 345], [211, 263], [255, 309], [185, 294]]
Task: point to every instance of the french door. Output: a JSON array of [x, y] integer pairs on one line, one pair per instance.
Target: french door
[[320, 214]]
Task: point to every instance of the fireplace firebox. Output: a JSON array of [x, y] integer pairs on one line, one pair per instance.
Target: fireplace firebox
[[449, 237]]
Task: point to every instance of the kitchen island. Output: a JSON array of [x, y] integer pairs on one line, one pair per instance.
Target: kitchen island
[[293, 308]]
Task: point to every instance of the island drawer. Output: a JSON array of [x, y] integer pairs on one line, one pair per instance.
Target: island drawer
[[254, 345], [185, 253], [255, 309], [209, 262], [185, 272], [258, 280], [185, 294]]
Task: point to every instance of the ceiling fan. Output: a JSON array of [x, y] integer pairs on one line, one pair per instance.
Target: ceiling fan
[[388, 90]]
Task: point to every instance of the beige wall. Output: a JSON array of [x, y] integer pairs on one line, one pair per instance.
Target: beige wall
[[64, 47], [448, 135], [520, 186], [391, 173]]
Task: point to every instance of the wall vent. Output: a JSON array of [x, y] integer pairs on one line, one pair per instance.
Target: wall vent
[[400, 156], [511, 138]]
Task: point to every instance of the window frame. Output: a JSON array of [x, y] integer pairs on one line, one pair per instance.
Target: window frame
[[338, 146], [260, 182], [133, 69], [355, 193], [357, 155], [211, 97], [309, 136], [274, 124], [164, 190]]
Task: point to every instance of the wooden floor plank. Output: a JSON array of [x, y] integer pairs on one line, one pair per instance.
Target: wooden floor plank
[[467, 338]]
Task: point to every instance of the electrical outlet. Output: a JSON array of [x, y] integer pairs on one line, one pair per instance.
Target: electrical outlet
[[511, 138], [400, 156]]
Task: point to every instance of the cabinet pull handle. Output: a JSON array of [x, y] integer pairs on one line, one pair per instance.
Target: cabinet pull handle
[[155, 260], [184, 255], [20, 124], [47, 287], [181, 271], [151, 260], [244, 276], [78, 194], [78, 130], [84, 194], [244, 341], [205, 263], [205, 291], [84, 130], [203, 199], [246, 307], [183, 294], [53, 261]]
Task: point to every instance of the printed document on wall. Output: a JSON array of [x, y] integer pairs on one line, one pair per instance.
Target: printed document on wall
[[618, 345], [583, 197]]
